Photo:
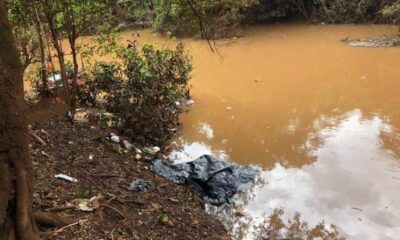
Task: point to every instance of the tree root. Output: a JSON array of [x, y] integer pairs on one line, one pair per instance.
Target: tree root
[[50, 219]]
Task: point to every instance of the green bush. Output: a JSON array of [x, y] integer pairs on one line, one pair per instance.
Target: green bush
[[178, 18], [344, 11], [144, 94]]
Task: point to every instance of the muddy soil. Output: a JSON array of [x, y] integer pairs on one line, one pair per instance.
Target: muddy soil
[[79, 151], [375, 42]]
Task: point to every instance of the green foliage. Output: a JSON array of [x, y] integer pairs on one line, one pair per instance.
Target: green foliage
[[392, 11], [143, 93], [343, 11], [179, 18], [22, 17], [106, 77], [135, 10]]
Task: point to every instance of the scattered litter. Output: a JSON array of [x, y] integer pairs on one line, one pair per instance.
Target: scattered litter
[[87, 205], [177, 103], [138, 151], [147, 150], [156, 149], [115, 139], [140, 185], [91, 157], [190, 102], [66, 178], [151, 151], [127, 145], [163, 219], [138, 156], [214, 180]]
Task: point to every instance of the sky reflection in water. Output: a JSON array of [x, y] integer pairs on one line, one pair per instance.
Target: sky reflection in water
[[354, 181]]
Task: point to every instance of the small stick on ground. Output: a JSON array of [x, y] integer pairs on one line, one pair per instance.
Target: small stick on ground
[[39, 139], [70, 225], [113, 208]]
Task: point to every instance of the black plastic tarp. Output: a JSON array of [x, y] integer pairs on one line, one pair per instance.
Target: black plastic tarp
[[214, 180]]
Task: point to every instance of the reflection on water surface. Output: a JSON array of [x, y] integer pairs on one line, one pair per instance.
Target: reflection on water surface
[[353, 181], [319, 118]]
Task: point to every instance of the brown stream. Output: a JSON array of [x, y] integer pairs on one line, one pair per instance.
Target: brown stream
[[321, 119]]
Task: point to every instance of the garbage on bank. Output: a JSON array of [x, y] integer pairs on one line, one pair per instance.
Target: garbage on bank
[[127, 146], [214, 180], [66, 178], [140, 185]]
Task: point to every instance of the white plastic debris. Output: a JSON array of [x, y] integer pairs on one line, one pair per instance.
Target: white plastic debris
[[87, 205], [138, 151], [66, 178], [190, 102], [115, 139], [156, 150]]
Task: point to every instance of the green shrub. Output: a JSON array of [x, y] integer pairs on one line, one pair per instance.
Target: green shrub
[[344, 11], [177, 17], [146, 104]]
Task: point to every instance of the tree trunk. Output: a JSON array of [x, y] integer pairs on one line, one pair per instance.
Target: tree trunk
[[42, 53], [60, 54], [16, 181], [72, 43]]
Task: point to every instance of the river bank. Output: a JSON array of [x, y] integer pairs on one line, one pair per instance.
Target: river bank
[[165, 211]]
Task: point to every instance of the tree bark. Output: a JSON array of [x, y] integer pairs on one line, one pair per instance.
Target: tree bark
[[76, 69], [60, 54], [16, 180], [42, 52]]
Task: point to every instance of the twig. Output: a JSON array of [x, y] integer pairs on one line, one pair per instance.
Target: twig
[[113, 208], [39, 139], [70, 225]]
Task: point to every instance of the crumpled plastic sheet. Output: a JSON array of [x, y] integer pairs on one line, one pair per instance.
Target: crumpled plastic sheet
[[214, 180], [140, 185]]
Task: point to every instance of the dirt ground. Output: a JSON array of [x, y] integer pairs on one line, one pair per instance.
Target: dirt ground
[[166, 211]]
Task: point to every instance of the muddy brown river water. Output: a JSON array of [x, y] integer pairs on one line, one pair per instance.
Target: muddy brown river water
[[321, 119]]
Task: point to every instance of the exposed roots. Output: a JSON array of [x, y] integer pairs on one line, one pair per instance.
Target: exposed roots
[[50, 219]]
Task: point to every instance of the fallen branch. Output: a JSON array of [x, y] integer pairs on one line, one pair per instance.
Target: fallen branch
[[70, 225], [50, 219], [113, 208], [39, 139]]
